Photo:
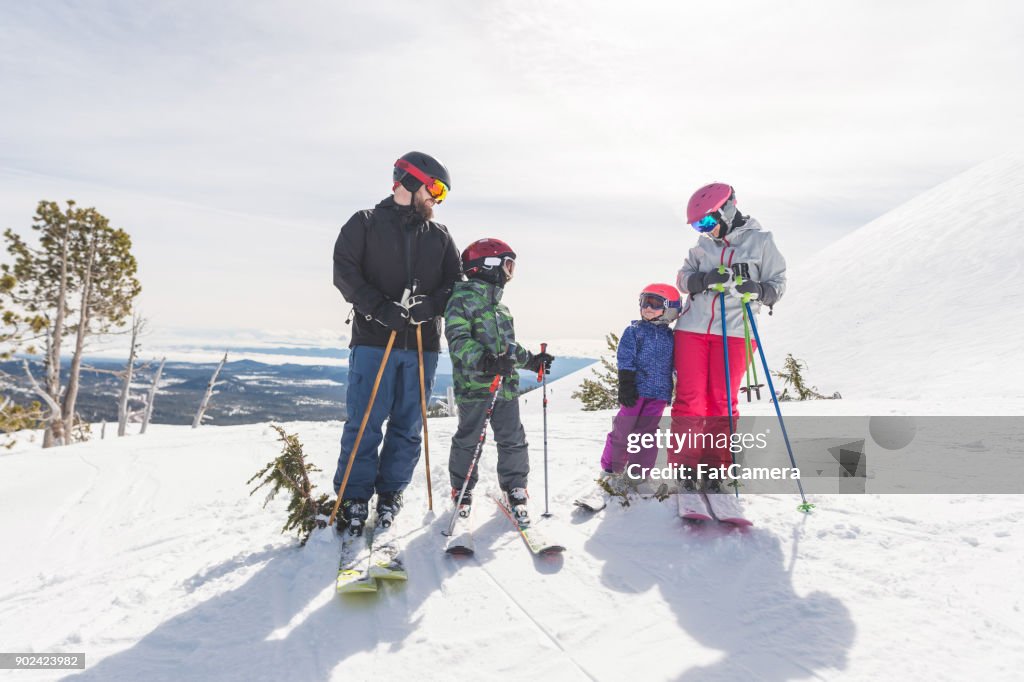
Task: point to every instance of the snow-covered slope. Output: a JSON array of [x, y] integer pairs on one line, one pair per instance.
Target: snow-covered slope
[[147, 554], [923, 301]]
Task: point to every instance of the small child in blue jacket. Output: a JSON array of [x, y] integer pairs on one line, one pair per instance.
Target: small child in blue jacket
[[645, 378]]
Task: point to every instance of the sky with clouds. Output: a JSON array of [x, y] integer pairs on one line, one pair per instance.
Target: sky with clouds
[[233, 139]]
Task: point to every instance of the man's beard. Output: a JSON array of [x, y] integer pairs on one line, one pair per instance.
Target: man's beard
[[422, 208]]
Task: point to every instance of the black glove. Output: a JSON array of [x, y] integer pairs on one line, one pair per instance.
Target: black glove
[[750, 287], [628, 395], [765, 293], [497, 364], [702, 281], [392, 315], [535, 362], [421, 309]]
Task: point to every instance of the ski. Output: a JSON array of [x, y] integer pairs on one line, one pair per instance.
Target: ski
[[692, 506], [534, 540], [725, 507], [593, 500], [460, 543], [354, 566], [385, 560]]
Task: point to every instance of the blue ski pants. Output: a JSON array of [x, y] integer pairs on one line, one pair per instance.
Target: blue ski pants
[[398, 402]]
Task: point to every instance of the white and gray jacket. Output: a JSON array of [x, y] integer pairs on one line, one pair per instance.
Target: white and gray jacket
[[751, 253]]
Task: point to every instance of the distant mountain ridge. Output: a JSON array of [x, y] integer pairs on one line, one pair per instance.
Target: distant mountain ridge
[[247, 392]]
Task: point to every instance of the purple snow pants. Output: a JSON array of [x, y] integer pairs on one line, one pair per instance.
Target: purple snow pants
[[642, 418]]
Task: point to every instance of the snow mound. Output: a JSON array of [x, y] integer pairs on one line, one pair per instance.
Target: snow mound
[[920, 302]]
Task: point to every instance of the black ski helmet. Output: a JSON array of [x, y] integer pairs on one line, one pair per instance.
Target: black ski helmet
[[425, 163]]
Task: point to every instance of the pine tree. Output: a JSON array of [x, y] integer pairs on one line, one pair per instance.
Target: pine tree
[[601, 393], [792, 374], [78, 281], [291, 472], [15, 417]]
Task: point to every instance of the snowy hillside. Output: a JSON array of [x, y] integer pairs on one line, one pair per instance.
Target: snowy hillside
[[920, 303], [147, 554]]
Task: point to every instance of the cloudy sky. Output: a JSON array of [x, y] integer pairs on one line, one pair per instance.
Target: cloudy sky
[[232, 139]]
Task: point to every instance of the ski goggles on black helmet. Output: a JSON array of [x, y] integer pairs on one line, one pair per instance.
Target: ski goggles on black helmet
[[437, 189]]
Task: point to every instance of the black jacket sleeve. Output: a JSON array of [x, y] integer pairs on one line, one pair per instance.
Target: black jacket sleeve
[[348, 259], [451, 269]]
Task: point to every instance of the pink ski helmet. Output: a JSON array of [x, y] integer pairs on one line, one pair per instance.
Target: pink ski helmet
[[668, 296], [708, 199]]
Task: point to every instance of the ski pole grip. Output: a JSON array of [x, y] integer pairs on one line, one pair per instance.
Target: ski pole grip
[[494, 384], [540, 372]]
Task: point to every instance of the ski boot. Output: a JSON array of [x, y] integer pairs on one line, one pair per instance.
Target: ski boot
[[516, 498], [467, 501], [352, 516], [388, 506]]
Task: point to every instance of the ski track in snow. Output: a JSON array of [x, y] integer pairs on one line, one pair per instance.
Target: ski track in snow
[[148, 554]]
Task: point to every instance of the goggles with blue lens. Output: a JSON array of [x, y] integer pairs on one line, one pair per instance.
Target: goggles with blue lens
[[705, 224]]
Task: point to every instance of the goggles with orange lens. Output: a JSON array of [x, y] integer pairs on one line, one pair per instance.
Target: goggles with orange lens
[[438, 190]]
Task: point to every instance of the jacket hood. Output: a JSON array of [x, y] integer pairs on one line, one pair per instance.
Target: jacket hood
[[750, 225]]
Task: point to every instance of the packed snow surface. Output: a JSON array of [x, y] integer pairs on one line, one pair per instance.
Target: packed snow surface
[[148, 554]]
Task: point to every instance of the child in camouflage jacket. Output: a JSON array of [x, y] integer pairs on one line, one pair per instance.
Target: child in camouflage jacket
[[482, 345]]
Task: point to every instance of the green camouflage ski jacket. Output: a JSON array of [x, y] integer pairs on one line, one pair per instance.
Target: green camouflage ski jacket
[[476, 322]]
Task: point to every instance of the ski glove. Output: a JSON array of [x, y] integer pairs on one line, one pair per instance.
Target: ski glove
[[535, 362], [758, 291], [746, 287], [392, 315], [702, 281], [492, 364], [421, 309], [628, 394]]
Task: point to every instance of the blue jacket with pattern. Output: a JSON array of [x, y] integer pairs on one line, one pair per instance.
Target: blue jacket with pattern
[[646, 348]]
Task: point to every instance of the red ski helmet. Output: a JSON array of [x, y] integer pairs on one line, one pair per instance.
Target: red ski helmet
[[486, 255], [668, 296], [708, 199]]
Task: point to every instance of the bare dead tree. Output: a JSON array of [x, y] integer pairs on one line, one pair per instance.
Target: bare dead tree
[[138, 326], [151, 398], [209, 392]]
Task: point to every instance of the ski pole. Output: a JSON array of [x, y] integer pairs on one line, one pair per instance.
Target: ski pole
[[747, 353], [750, 352], [725, 352], [495, 390], [362, 426], [806, 507], [751, 362], [423, 411], [542, 376]]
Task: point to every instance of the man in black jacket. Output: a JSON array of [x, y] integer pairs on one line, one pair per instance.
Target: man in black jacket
[[396, 267]]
